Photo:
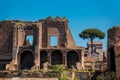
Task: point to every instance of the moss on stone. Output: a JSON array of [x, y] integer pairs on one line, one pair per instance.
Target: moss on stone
[[19, 24]]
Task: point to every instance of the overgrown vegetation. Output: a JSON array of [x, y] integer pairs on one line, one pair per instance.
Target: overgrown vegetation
[[19, 23], [64, 74], [56, 71], [21, 73], [108, 76]]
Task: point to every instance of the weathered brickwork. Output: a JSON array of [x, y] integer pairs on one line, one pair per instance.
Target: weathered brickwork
[[16, 52], [97, 52], [114, 49]]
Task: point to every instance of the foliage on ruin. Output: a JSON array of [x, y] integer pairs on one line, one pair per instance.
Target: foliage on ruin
[[108, 76], [64, 74], [19, 23], [37, 24]]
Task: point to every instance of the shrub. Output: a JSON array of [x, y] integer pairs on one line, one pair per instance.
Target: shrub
[[59, 68], [54, 74], [108, 76]]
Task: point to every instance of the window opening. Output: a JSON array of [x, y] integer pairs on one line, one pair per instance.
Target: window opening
[[53, 41], [29, 40]]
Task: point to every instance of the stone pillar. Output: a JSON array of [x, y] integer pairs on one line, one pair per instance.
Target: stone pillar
[[37, 48], [36, 61], [49, 57], [40, 35], [14, 43], [82, 57], [14, 64], [64, 58], [15, 47], [39, 42]]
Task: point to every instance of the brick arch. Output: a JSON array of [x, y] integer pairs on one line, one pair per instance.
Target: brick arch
[[72, 58], [26, 59], [56, 57], [43, 58]]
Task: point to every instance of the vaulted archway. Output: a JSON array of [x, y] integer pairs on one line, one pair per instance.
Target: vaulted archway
[[72, 58], [56, 57], [26, 60]]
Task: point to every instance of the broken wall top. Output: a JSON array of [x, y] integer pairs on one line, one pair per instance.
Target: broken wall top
[[114, 36]]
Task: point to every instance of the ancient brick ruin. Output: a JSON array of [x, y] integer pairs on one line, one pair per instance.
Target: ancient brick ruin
[[114, 49], [17, 53], [89, 61], [97, 50]]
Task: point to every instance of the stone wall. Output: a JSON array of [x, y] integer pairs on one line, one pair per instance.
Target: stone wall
[[56, 27], [6, 42], [6, 37], [14, 41], [114, 49], [97, 50]]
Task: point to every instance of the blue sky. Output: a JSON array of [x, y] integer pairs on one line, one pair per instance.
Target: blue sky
[[82, 14]]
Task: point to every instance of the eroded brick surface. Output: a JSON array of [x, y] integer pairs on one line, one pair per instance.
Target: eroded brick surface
[[17, 53]]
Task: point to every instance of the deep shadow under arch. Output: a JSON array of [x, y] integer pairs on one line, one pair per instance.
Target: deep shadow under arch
[[26, 60], [56, 57], [43, 58], [72, 58], [2, 67], [112, 59]]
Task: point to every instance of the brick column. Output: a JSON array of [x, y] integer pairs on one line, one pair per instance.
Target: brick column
[[14, 43], [37, 54], [37, 48], [82, 57], [64, 58], [49, 57], [14, 64]]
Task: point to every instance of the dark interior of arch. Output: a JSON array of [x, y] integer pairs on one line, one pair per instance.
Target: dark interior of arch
[[57, 57], [72, 58], [112, 59], [43, 58], [2, 67], [26, 60]]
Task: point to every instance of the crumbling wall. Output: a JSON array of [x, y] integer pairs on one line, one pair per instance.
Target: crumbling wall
[[114, 36], [6, 37], [114, 49], [56, 27], [13, 40]]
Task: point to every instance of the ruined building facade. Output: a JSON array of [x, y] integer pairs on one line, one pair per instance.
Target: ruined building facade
[[17, 53], [114, 49], [97, 50], [94, 61]]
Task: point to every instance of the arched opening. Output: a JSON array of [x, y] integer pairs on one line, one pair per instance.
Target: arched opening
[[43, 58], [57, 57], [26, 60], [72, 58]]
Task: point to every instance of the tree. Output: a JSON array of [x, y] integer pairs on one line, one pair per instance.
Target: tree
[[91, 34]]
